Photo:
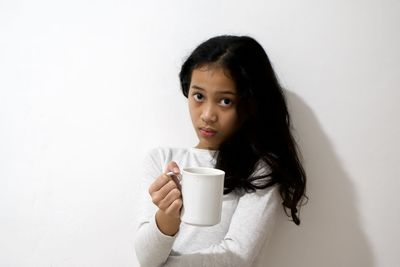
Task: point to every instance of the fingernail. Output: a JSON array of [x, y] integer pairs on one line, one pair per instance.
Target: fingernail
[[176, 170]]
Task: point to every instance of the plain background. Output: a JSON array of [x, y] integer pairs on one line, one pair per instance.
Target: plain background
[[87, 87]]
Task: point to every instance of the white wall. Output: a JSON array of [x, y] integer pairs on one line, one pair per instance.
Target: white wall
[[86, 87]]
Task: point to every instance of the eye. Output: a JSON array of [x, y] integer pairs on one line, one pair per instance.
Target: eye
[[198, 97], [226, 102]]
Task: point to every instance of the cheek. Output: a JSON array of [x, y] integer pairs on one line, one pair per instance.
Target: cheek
[[192, 110], [231, 121]]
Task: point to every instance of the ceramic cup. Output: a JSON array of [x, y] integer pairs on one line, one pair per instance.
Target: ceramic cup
[[202, 193]]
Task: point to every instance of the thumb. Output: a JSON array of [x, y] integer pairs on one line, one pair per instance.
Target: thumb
[[172, 166]]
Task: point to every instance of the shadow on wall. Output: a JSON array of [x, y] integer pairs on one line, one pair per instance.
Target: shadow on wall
[[331, 230]]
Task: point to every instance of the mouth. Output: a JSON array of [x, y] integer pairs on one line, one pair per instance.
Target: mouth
[[207, 132]]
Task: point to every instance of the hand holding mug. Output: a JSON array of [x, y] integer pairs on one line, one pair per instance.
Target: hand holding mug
[[195, 196], [165, 192]]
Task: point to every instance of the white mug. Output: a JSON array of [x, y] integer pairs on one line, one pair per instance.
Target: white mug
[[202, 193]]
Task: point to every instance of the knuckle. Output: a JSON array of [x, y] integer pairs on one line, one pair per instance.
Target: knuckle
[[164, 178], [151, 189], [162, 206], [156, 199], [178, 203], [176, 192], [172, 184]]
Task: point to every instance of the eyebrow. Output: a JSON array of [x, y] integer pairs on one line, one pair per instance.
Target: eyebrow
[[223, 92]]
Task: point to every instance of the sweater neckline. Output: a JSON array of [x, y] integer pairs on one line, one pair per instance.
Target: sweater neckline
[[202, 150]]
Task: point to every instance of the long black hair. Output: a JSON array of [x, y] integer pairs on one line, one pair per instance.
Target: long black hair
[[265, 131]]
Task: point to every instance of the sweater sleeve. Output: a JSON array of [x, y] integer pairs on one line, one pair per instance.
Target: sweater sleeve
[[251, 226], [151, 245]]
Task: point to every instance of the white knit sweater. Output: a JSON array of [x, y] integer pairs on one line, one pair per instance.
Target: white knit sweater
[[246, 224]]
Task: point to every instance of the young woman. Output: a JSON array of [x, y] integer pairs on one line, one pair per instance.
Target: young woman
[[239, 114]]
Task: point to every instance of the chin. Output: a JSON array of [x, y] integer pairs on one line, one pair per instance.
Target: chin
[[206, 145]]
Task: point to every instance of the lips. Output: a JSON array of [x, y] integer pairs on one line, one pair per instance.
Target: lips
[[207, 132]]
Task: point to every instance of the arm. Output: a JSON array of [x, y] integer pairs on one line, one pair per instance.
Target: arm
[[158, 223], [250, 227], [151, 245]]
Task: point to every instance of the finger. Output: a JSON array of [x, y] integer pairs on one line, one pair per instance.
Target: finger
[[159, 183], [176, 178], [172, 166], [164, 191], [175, 208], [173, 195], [158, 196]]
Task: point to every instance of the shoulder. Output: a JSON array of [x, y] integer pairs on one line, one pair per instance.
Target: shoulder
[[165, 153], [267, 198], [155, 159]]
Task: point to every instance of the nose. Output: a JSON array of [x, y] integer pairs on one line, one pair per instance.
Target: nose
[[209, 114]]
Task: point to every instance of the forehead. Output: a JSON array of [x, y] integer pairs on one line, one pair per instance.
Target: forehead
[[213, 79]]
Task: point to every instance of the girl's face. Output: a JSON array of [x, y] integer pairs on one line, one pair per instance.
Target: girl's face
[[212, 102]]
